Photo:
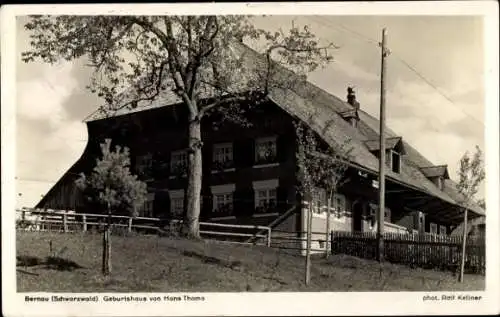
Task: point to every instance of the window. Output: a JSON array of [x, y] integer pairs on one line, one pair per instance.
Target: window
[[147, 208], [178, 162], [442, 230], [143, 164], [387, 214], [373, 214], [339, 204], [321, 244], [176, 203], [177, 206], [395, 162], [319, 200], [265, 150], [223, 198], [266, 198], [223, 156], [439, 182], [354, 122], [434, 228], [266, 195], [223, 203]]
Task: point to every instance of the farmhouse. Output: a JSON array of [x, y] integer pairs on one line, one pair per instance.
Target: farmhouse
[[250, 173]]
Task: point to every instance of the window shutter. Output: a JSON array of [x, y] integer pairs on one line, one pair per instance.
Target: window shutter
[[244, 152], [207, 162], [281, 148], [244, 204], [282, 196], [159, 204], [238, 201]]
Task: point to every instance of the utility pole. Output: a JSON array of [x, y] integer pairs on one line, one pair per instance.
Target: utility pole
[[309, 241], [381, 182]]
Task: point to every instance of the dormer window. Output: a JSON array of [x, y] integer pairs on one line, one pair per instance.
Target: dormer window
[[394, 149], [437, 174], [394, 161], [351, 116], [440, 182]]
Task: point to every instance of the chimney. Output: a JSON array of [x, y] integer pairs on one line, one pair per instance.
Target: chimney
[[351, 98]]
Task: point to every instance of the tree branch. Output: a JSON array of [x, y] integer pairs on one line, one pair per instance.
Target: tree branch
[[220, 102], [206, 47], [168, 42]]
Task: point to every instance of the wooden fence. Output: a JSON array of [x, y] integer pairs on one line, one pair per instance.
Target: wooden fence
[[417, 250], [69, 221]]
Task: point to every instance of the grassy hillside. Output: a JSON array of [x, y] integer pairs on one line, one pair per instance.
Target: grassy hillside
[[160, 264]]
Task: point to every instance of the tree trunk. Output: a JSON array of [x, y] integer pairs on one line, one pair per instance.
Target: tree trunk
[[106, 246], [104, 251], [308, 247], [106, 258], [194, 180], [464, 243]]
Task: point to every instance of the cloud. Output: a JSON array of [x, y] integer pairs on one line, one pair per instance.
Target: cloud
[[41, 98], [48, 140]]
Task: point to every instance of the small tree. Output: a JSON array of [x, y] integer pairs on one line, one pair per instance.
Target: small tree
[[112, 187], [471, 174], [318, 167], [334, 164]]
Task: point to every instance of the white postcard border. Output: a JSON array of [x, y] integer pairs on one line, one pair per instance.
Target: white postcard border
[[373, 303]]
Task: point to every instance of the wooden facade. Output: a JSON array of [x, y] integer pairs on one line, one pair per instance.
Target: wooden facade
[[245, 186]]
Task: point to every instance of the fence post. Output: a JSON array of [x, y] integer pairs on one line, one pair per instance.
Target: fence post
[[130, 224], [84, 219], [331, 242], [269, 237], [65, 221]]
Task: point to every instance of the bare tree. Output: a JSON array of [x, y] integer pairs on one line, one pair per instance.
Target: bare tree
[[138, 59], [318, 167], [471, 174]]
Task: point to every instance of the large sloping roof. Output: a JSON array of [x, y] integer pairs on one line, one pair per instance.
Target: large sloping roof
[[321, 111], [416, 161]]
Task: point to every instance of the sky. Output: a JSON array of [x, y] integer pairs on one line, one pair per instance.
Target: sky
[[445, 51]]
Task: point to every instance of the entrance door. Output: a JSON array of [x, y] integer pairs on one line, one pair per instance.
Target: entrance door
[[357, 216]]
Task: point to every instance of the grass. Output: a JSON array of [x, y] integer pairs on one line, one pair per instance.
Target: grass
[[54, 262]]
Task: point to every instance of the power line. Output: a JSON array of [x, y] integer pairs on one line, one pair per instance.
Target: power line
[[344, 28], [410, 67], [439, 91]]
